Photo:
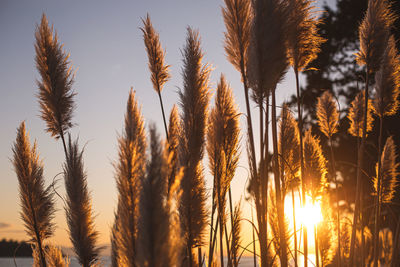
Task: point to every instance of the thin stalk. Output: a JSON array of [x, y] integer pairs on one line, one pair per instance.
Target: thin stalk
[[303, 186], [337, 200], [254, 243], [63, 141], [316, 246], [39, 241], [221, 230], [378, 194], [163, 114], [279, 198], [362, 227], [294, 229], [231, 212], [199, 256], [215, 238], [211, 244], [359, 167], [228, 251]]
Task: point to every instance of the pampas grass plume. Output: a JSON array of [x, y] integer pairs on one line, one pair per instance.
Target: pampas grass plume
[[327, 114], [56, 97], [356, 115], [386, 101], [78, 208], [37, 202], [389, 172]]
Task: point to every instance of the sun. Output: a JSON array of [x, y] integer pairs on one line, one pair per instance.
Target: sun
[[309, 216]]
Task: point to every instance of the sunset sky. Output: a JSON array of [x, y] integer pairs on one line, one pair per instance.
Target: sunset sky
[[107, 50]]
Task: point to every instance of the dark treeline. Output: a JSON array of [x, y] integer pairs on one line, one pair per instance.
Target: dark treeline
[[10, 248]]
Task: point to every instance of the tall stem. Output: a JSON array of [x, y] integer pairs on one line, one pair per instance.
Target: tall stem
[[212, 230], [231, 212], [316, 246], [359, 167], [279, 198], [303, 186], [294, 229], [337, 200], [163, 114], [38, 239], [378, 194], [254, 239]]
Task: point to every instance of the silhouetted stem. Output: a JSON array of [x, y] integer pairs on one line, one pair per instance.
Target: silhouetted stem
[[294, 229], [359, 167], [163, 114], [303, 187]]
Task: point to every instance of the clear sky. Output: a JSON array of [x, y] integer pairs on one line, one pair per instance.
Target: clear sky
[[106, 47]]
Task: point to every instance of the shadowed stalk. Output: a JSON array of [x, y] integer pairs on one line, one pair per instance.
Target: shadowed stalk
[[236, 233], [328, 119], [158, 68], [78, 208], [56, 97], [37, 202], [194, 99], [130, 171], [374, 33]]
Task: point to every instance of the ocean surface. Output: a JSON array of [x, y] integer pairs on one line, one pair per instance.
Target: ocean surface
[[105, 261]]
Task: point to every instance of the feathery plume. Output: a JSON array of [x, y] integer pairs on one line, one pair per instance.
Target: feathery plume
[[327, 114], [267, 57], [37, 202], [314, 165], [172, 145], [158, 68], [289, 148], [386, 245], [386, 102], [236, 233], [303, 40], [115, 262], [327, 241], [54, 257], [78, 208], [194, 100], [56, 97], [374, 33], [237, 17], [130, 171], [389, 172], [356, 115]]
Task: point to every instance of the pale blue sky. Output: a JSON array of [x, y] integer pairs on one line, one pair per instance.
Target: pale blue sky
[[107, 49]]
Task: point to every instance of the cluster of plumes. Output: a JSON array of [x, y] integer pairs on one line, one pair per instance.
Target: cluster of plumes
[[54, 257], [386, 245], [356, 115], [289, 149], [56, 97], [267, 55], [389, 172], [314, 165], [374, 33], [130, 171], [158, 232], [387, 82], [303, 40], [37, 202], [327, 114], [223, 141], [78, 208], [194, 99], [158, 68], [237, 17]]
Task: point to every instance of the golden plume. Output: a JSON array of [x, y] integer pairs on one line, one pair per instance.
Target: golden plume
[[389, 172], [289, 148], [237, 17], [374, 33], [236, 234], [314, 165], [130, 170], [158, 68], [78, 208], [386, 102], [37, 202], [327, 114], [194, 99], [356, 115], [54, 257], [56, 97], [303, 39], [172, 145]]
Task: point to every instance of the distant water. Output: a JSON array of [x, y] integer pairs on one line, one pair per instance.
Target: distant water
[[27, 262]]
